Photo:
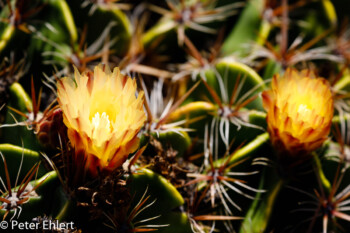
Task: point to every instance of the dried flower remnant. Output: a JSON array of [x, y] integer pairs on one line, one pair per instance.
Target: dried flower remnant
[[103, 116], [299, 111]]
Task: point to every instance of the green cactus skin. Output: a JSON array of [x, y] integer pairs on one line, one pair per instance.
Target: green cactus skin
[[167, 199], [13, 155]]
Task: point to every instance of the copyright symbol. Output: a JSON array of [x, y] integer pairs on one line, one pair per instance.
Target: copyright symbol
[[4, 225]]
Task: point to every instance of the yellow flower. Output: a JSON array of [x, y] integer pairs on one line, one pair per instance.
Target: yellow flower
[[299, 111], [103, 116]]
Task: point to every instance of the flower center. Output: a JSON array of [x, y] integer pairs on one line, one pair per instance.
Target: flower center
[[303, 110], [101, 124]]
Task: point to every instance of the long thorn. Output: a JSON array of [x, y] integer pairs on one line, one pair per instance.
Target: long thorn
[[8, 181], [176, 105]]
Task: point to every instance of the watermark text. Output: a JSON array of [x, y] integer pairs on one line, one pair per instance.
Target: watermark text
[[46, 224]]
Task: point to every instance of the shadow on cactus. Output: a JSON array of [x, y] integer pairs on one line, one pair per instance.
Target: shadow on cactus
[[328, 205], [130, 222], [218, 182]]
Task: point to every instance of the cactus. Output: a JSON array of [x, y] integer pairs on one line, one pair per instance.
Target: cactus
[[174, 116]]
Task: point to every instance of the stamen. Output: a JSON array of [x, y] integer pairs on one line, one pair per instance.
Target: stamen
[[102, 122]]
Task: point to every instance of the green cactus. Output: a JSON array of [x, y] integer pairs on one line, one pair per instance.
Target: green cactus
[[223, 124]]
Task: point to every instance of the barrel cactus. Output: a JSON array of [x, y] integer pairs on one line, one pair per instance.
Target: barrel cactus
[[174, 116]]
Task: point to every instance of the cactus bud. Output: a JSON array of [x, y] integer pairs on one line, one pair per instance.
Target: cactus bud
[[50, 130]]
